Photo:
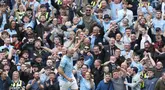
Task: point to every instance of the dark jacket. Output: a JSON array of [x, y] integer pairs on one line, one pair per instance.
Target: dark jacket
[[160, 85], [100, 56], [40, 30], [5, 84], [55, 85], [98, 75], [108, 52]]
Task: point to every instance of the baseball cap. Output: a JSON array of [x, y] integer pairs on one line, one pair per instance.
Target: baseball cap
[[106, 16]]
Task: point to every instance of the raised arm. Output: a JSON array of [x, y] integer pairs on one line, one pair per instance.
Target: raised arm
[[106, 35], [133, 84], [151, 59]]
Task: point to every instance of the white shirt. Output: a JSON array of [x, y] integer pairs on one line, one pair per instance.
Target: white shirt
[[144, 39], [129, 15], [163, 9], [126, 39]]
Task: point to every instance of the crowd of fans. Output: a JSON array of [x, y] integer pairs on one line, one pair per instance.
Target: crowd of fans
[[82, 44]]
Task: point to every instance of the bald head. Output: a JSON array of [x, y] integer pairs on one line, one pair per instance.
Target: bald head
[[70, 52], [159, 65]]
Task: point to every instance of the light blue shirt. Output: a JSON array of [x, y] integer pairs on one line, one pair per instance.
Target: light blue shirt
[[85, 84], [114, 10], [144, 10], [88, 60], [35, 86], [31, 24], [44, 77], [67, 65], [44, 2], [35, 5], [8, 47], [138, 65], [93, 41], [126, 54], [3, 23], [158, 23], [11, 32], [106, 25], [122, 29]]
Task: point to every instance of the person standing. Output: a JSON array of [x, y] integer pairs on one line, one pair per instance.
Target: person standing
[[106, 83], [5, 81], [67, 79], [160, 85], [52, 83], [35, 84], [150, 82], [87, 83], [135, 85], [17, 84]]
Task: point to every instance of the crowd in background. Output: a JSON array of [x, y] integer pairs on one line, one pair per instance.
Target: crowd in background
[[82, 44]]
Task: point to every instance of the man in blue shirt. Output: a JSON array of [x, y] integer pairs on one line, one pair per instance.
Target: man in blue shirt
[[67, 79], [5, 81], [105, 84], [6, 45], [158, 22], [35, 84]]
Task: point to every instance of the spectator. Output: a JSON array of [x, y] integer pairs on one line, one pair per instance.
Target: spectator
[[87, 83], [159, 69], [7, 44], [5, 80], [117, 79], [115, 6], [120, 59], [159, 85], [87, 19], [135, 85], [35, 83], [145, 8], [119, 42], [127, 52], [111, 63], [127, 35], [4, 35], [106, 83], [110, 49], [12, 29], [98, 53], [151, 81], [103, 36], [97, 72], [44, 74], [52, 83], [4, 16], [16, 82], [127, 12], [159, 20], [136, 63], [145, 37]]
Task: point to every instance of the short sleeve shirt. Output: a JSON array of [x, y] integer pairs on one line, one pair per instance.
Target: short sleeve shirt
[[67, 65], [35, 86]]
